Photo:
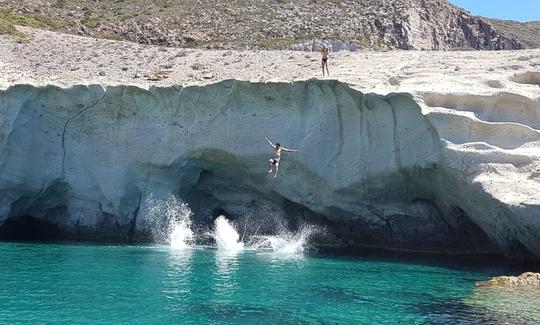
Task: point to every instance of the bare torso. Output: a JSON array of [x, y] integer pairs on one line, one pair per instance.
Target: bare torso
[[277, 151], [274, 162], [325, 52]]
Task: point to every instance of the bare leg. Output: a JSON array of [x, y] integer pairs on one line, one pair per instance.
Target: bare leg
[[322, 65], [327, 72], [270, 163], [277, 169]]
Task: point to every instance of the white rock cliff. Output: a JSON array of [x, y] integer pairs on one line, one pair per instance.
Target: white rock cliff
[[442, 173]]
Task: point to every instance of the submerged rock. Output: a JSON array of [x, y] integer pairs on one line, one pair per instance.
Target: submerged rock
[[515, 298]]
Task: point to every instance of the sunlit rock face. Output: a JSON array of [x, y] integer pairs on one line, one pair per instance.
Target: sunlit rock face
[[527, 279], [373, 168]]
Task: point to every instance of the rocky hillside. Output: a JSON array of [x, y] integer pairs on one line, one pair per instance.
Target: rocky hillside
[[266, 24], [528, 33]]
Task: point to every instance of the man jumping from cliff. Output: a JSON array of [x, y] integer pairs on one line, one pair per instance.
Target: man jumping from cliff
[[278, 149]]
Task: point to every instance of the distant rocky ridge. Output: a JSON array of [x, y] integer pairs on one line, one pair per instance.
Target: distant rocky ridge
[[279, 24], [528, 33]]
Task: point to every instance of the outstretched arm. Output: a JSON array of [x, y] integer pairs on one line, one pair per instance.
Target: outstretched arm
[[288, 150], [270, 143]]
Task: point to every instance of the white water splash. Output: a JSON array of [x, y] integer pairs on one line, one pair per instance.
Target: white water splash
[[172, 221], [286, 242], [227, 238], [181, 236], [179, 215]]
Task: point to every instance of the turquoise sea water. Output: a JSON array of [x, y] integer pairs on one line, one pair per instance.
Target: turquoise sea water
[[72, 284]]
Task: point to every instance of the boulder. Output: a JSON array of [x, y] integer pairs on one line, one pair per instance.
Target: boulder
[[528, 279]]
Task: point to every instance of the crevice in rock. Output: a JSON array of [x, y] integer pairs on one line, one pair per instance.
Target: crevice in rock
[[108, 226], [133, 223], [397, 146], [66, 124]]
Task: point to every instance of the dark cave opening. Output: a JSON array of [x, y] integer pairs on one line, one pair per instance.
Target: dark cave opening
[[28, 228]]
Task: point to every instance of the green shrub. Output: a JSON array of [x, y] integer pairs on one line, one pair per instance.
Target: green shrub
[[108, 35], [91, 20], [7, 28], [30, 20], [273, 43]]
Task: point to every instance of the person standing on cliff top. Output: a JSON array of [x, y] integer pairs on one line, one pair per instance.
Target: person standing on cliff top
[[278, 149], [325, 52]]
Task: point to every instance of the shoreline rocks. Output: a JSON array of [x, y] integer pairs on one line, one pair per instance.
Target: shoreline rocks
[[527, 279]]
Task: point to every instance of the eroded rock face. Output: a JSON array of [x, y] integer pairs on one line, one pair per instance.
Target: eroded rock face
[[373, 168]]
